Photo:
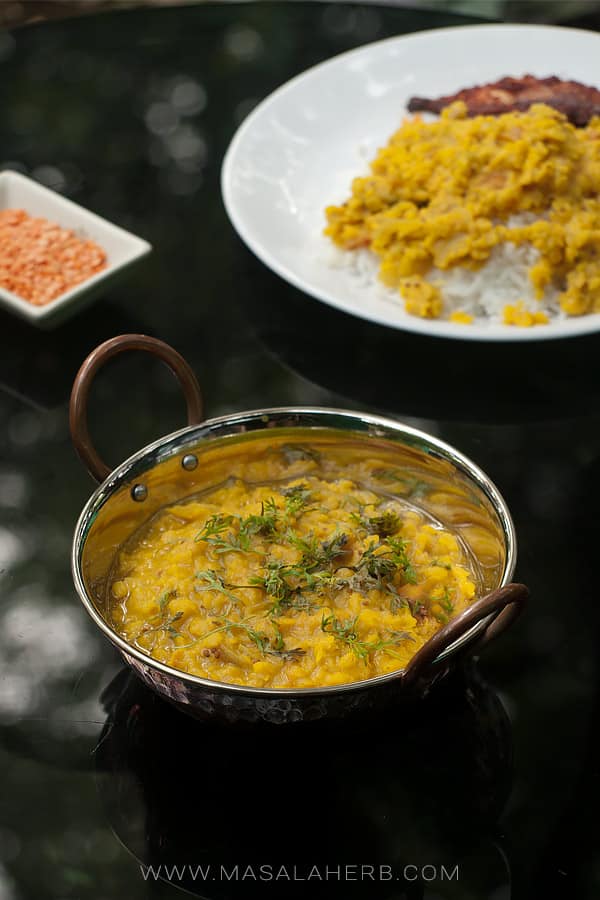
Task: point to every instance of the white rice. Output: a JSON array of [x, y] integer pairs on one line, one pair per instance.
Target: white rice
[[483, 293]]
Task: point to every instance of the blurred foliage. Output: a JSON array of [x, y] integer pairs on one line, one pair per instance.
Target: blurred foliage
[[21, 12], [519, 10]]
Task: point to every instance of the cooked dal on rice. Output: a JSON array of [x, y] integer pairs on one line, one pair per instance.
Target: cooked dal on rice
[[508, 204], [293, 574]]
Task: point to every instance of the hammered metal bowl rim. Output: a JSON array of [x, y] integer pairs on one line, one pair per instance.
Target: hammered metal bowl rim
[[178, 440]]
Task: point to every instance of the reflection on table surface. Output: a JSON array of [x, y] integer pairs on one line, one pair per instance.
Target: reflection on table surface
[[422, 786], [130, 115]]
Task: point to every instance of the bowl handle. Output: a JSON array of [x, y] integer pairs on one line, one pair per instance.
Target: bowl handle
[[78, 422], [506, 602]]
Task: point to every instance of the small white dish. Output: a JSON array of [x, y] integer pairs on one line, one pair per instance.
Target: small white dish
[[298, 151], [121, 247]]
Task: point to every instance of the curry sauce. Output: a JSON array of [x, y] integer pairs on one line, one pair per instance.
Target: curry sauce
[[444, 194], [297, 571]]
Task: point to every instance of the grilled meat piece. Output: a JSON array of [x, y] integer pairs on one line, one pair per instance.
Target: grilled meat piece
[[578, 102]]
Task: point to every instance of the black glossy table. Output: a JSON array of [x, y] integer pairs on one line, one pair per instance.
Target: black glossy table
[[497, 774]]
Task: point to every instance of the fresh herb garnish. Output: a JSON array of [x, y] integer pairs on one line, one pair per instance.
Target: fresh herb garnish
[[274, 583], [213, 527], [362, 583], [165, 598], [417, 609], [296, 498], [400, 557], [163, 621], [286, 595], [384, 559], [379, 564], [264, 524], [447, 606], [307, 546], [266, 645], [384, 525], [348, 633], [334, 547], [278, 647], [214, 582], [258, 637], [294, 653], [168, 625], [378, 560], [397, 602], [398, 636], [445, 601], [344, 631], [317, 555], [213, 533]]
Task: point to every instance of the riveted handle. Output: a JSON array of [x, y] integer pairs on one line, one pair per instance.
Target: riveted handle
[[78, 422], [507, 604]]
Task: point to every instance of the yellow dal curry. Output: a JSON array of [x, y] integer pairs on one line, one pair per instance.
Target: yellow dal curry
[[441, 194], [304, 582]]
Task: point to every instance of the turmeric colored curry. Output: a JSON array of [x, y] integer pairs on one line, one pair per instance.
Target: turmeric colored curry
[[277, 579], [443, 195]]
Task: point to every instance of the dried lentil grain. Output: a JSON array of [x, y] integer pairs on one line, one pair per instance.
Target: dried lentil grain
[[39, 260]]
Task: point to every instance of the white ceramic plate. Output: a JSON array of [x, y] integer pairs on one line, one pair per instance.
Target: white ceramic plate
[[300, 148], [121, 247]]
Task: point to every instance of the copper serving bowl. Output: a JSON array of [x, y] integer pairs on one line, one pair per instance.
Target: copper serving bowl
[[170, 470]]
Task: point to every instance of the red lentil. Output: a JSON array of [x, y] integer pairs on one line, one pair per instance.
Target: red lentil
[[39, 260]]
